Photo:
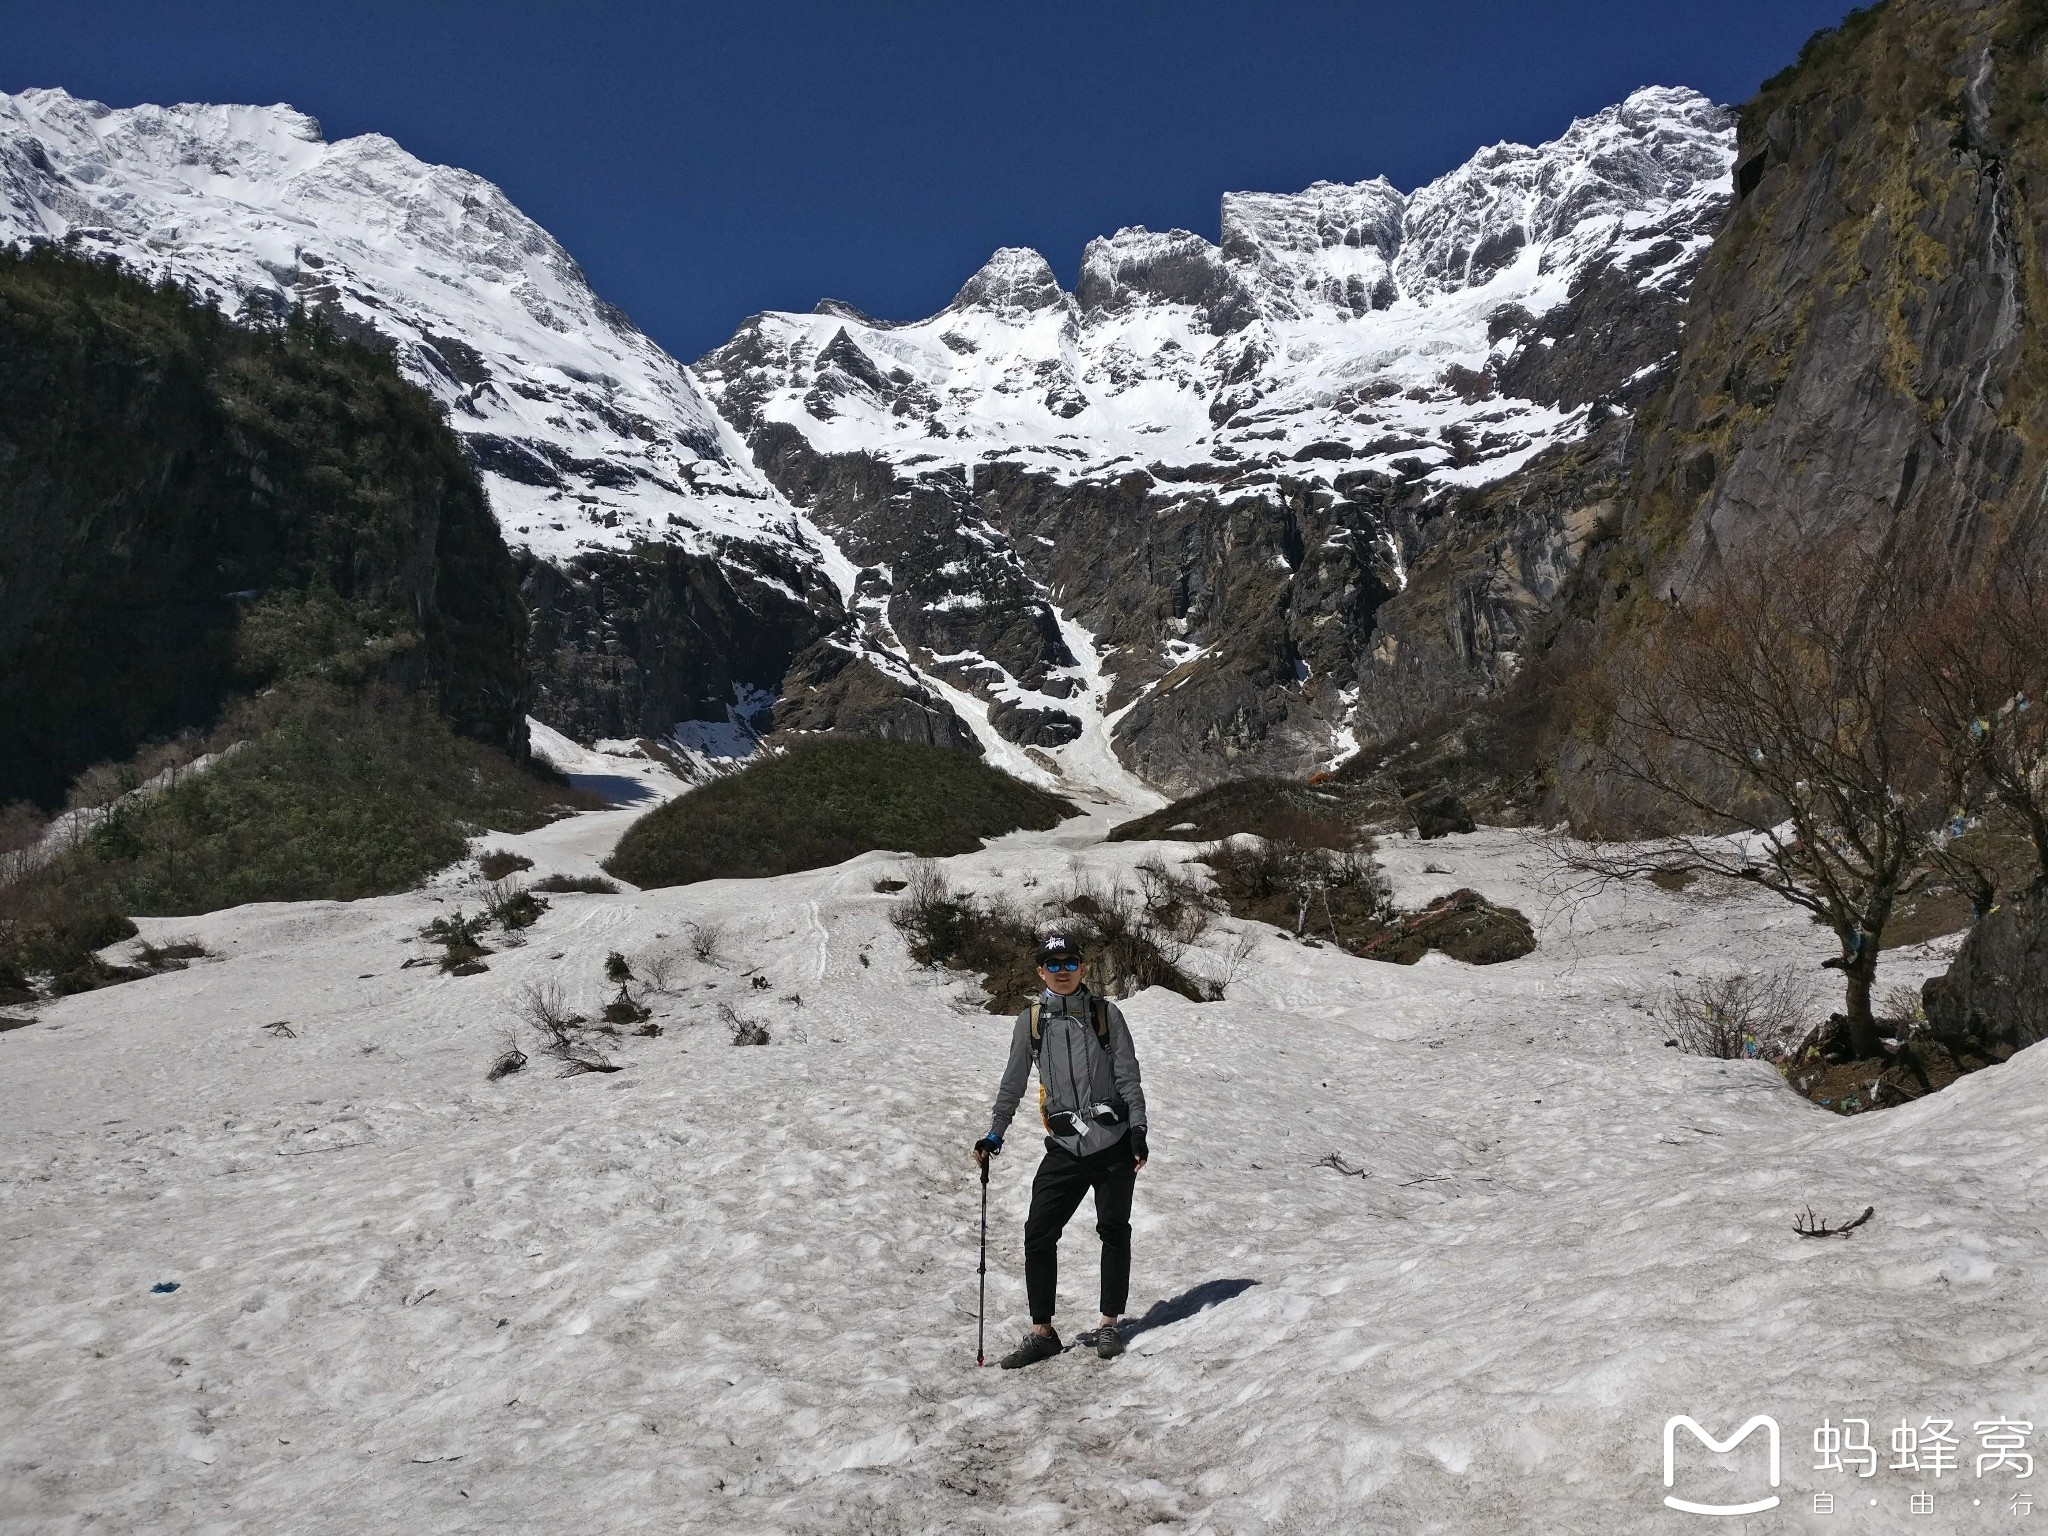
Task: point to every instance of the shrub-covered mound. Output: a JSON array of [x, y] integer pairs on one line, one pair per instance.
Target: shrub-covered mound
[[348, 793], [1464, 925], [1280, 810], [824, 802], [327, 791]]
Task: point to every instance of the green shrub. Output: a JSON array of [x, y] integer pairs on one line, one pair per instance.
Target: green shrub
[[498, 864], [824, 802], [52, 918], [335, 793], [346, 793], [461, 937], [1132, 940], [588, 885]]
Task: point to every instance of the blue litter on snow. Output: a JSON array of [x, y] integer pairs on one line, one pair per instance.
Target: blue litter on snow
[[163, 1288]]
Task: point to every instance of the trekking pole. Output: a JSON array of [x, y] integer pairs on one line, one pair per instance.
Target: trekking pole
[[981, 1304]]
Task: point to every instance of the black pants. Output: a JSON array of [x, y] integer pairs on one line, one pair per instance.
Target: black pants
[[1055, 1195]]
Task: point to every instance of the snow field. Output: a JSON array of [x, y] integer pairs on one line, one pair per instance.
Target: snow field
[[733, 1289]]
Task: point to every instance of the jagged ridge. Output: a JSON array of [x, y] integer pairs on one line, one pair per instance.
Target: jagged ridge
[[1343, 327]]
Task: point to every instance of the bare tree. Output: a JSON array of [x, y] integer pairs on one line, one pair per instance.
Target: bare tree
[[1235, 958], [659, 969], [1176, 901], [21, 831], [1775, 713], [1979, 685], [706, 941], [542, 1005]]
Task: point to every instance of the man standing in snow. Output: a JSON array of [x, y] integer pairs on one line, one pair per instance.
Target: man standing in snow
[[1094, 1111]]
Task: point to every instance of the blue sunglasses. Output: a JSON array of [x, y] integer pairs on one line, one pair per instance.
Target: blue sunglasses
[[1063, 965]]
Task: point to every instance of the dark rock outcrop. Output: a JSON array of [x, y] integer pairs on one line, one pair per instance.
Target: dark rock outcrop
[[1439, 813], [1484, 585], [946, 580], [1267, 596], [831, 687], [1611, 341], [1326, 815], [1993, 998], [631, 644], [1033, 726]]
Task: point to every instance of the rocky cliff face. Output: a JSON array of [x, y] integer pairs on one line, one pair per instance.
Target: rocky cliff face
[[1220, 466], [1863, 357], [190, 511], [1862, 362], [619, 647]]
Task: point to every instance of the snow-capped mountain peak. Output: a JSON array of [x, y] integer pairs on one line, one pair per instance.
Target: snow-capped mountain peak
[[1015, 278], [1138, 267], [588, 434], [1339, 328], [1627, 170], [1332, 245]]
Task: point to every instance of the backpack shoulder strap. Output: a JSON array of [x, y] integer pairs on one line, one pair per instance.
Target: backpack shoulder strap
[[1098, 1015]]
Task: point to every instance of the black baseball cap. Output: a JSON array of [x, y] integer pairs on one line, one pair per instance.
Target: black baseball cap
[[1057, 946]]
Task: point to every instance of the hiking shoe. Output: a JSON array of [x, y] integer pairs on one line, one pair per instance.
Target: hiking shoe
[[1109, 1342], [1035, 1347]]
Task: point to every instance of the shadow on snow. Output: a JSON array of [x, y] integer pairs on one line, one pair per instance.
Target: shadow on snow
[[616, 788], [1177, 1309]]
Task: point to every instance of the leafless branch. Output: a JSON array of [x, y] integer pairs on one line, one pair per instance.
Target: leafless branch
[[560, 1030], [1811, 1225]]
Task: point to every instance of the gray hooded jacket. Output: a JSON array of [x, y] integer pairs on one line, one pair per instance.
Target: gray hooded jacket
[[1074, 1072]]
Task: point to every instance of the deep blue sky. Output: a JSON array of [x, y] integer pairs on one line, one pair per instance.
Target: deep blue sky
[[707, 161]]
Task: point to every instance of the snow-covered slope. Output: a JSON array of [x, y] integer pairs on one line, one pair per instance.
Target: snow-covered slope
[[589, 435], [733, 1289], [1340, 328]]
